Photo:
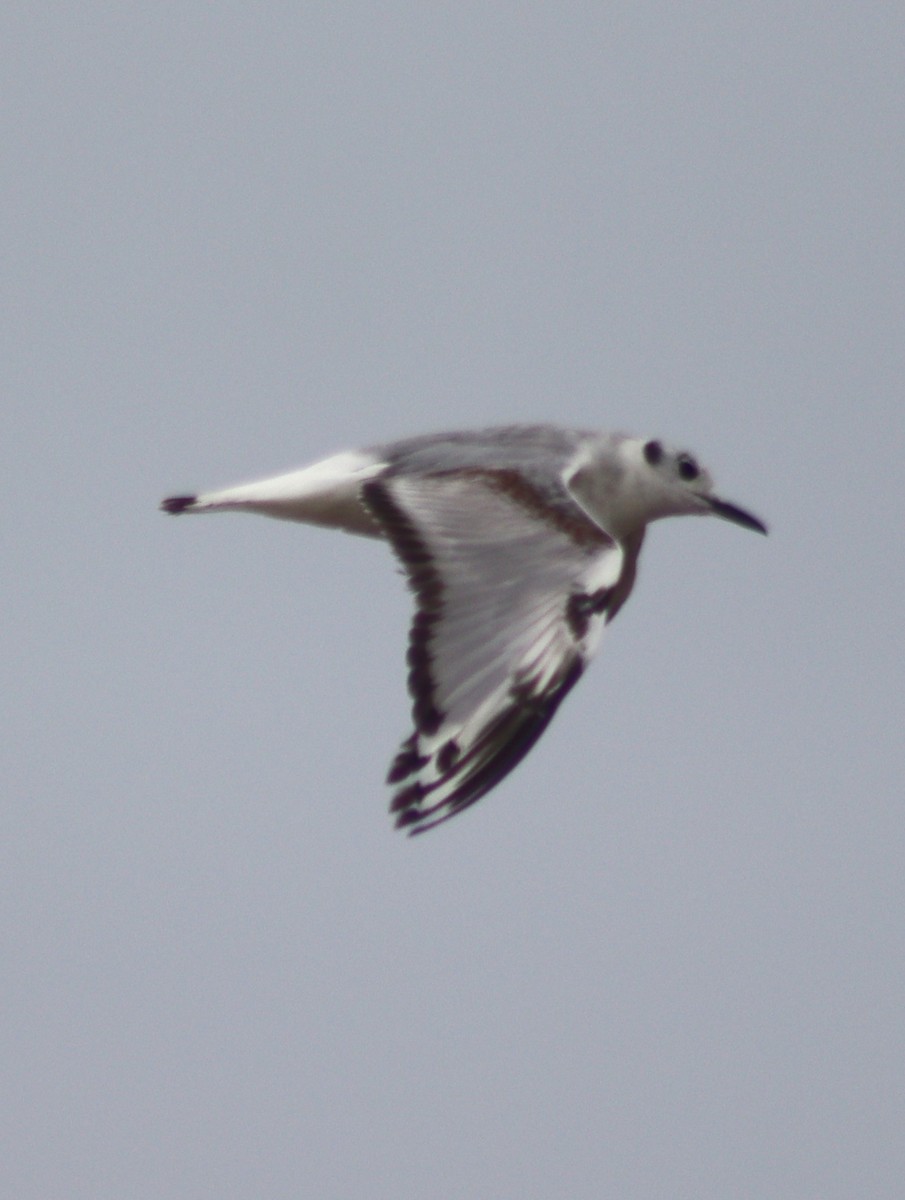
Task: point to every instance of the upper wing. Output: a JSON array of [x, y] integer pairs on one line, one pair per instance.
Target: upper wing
[[511, 588]]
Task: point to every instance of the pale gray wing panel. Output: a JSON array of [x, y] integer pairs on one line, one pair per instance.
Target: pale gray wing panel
[[492, 570], [510, 594]]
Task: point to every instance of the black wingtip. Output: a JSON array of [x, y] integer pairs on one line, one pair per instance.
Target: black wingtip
[[177, 504]]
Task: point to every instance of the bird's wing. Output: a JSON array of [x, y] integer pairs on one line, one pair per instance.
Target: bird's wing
[[512, 586]]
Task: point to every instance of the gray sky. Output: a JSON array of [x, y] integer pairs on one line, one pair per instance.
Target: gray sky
[[665, 957]]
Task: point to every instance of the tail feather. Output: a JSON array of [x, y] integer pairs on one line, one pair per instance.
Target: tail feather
[[326, 493], [178, 504]]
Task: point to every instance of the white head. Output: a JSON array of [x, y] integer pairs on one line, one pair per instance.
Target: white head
[[631, 481]]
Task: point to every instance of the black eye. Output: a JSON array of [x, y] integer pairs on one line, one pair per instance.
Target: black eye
[[688, 468], [653, 452]]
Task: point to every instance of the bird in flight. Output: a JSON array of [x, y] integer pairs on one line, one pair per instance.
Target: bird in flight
[[519, 544]]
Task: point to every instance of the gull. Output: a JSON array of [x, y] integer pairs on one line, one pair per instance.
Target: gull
[[520, 544]]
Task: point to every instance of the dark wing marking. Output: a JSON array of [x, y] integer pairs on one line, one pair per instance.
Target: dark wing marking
[[511, 587]]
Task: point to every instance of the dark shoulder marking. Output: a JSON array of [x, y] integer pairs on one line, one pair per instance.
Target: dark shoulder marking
[[562, 513]]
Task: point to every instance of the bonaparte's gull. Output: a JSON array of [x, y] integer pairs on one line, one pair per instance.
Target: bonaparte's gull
[[519, 543]]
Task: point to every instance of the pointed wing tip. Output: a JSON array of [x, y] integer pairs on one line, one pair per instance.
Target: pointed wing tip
[[414, 823]]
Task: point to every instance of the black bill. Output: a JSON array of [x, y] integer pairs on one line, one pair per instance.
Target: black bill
[[738, 516]]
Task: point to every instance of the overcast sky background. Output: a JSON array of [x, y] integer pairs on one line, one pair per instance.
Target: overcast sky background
[[666, 958]]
